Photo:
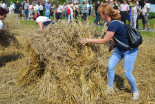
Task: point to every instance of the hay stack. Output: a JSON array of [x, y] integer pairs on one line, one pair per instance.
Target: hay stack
[[64, 68], [54, 68]]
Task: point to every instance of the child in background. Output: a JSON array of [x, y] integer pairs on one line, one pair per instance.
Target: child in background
[[48, 12]]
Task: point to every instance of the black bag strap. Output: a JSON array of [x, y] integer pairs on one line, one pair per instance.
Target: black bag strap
[[117, 39]]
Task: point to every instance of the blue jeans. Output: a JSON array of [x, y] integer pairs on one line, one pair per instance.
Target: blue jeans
[[97, 18], [27, 13], [129, 60]]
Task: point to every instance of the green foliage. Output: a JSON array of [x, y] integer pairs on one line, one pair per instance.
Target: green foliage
[[151, 14]]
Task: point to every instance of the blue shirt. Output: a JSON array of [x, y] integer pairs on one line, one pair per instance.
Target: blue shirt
[[84, 9], [120, 34], [49, 6], [47, 12], [18, 6]]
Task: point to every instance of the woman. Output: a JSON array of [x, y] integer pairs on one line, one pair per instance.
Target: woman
[[129, 12], [3, 13], [84, 11], [42, 21], [135, 11], [124, 8], [117, 30]]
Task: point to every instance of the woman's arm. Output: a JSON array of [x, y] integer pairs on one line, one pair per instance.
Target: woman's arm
[[105, 40], [41, 25], [139, 10]]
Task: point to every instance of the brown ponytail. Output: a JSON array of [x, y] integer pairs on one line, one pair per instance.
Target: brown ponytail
[[108, 9]]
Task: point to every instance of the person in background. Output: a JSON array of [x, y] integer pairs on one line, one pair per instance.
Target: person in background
[[59, 12], [3, 13], [4, 5], [97, 14], [124, 8], [135, 11], [64, 10], [84, 11], [41, 9], [116, 30], [42, 21], [145, 14], [48, 4], [18, 7], [75, 10], [116, 3], [26, 9], [47, 12], [53, 11], [11, 8], [1, 3], [31, 10], [129, 12], [137, 25], [88, 7]]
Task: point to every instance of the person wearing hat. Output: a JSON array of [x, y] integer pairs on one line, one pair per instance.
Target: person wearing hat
[[42, 21], [18, 7], [3, 13]]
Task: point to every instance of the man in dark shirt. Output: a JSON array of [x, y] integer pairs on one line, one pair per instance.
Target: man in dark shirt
[[18, 7], [97, 14]]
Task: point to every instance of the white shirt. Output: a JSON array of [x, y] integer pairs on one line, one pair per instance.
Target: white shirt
[[4, 5], [36, 8], [88, 7], [1, 25], [12, 6], [41, 7], [42, 19], [30, 7], [146, 6], [59, 10], [75, 7]]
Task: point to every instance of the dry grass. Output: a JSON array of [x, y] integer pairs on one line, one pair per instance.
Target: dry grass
[[51, 67]]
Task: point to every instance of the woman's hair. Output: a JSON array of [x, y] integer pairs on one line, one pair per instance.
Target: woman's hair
[[108, 9], [3, 11]]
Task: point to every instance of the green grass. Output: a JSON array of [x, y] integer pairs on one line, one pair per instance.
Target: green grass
[[146, 33], [28, 23], [151, 23]]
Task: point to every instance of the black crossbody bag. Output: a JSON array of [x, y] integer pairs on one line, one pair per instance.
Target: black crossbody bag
[[134, 37]]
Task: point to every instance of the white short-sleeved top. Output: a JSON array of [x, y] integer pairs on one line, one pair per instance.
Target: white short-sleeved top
[[42, 19], [1, 25], [146, 6]]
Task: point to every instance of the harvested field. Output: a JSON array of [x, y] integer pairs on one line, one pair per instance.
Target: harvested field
[[53, 68]]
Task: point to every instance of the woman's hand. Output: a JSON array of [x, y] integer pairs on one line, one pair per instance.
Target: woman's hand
[[83, 41]]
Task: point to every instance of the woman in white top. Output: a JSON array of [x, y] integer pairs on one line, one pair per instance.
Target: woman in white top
[[42, 21], [3, 13], [135, 10]]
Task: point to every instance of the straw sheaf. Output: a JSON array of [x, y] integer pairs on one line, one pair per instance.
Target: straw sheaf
[[52, 67]]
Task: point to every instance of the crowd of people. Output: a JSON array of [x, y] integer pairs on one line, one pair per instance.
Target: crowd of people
[[129, 10], [67, 11]]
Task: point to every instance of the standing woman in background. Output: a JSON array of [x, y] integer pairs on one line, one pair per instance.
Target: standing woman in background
[[129, 12], [135, 11], [3, 13], [116, 31], [124, 8]]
